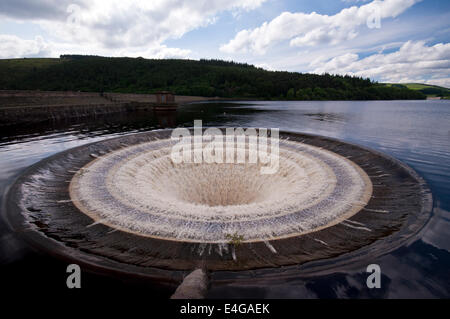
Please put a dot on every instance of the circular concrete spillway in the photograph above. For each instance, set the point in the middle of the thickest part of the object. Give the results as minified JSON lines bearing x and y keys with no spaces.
{"x":124,"y":204}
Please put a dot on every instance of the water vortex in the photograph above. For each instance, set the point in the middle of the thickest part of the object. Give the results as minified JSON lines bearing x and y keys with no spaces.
{"x":140,"y":190}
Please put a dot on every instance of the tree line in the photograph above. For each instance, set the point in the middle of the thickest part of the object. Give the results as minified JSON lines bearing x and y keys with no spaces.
{"x":189,"y":77}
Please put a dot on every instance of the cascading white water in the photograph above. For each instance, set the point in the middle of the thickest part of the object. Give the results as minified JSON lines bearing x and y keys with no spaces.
{"x":139,"y":189}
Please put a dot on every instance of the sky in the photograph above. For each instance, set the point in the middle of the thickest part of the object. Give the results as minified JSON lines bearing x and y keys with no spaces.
{"x":386,"y":40}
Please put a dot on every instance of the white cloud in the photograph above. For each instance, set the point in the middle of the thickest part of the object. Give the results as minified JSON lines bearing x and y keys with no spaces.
{"x":112,"y":25}
{"x":304,"y":29}
{"x":413,"y":62}
{"x":265,"y":66}
{"x":12,"y":46}
{"x":158,"y":52}
{"x":118,"y":23}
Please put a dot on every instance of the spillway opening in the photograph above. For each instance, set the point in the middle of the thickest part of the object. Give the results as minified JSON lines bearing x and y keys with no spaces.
{"x":220,"y":185}
{"x":140,"y":189}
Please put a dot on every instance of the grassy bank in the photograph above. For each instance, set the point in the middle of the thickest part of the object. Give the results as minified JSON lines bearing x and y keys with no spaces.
{"x":430,"y":91}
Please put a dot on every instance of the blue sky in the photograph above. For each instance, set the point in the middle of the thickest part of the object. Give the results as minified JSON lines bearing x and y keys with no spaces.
{"x":386,"y":40}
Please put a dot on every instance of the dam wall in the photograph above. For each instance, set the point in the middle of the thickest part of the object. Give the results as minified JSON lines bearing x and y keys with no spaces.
{"x":22,"y":107}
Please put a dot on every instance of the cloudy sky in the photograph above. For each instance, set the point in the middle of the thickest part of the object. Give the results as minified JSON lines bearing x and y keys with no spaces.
{"x":386,"y":40}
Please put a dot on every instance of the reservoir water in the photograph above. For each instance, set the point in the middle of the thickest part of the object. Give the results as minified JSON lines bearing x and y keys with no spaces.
{"x":415,"y":132}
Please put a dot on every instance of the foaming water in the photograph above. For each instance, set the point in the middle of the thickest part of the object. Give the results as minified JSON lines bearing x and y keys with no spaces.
{"x":123,"y":188}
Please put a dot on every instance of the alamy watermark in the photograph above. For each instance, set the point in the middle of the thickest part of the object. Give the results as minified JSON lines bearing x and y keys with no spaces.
{"x":74,"y":279}
{"x":74,"y":16}
{"x":374,"y":19}
{"x":237,"y":146}
{"x":374,"y":279}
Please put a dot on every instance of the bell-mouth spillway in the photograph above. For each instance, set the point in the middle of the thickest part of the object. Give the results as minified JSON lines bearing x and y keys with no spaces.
{"x":138,"y":189}
{"x":123,"y":204}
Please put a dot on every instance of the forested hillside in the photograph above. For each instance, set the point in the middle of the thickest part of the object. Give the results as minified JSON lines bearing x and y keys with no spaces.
{"x":187,"y":77}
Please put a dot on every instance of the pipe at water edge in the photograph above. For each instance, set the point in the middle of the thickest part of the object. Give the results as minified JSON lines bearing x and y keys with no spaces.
{"x":194,"y":286}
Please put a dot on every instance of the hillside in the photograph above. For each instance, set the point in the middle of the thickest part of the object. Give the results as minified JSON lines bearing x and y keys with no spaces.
{"x":428,"y":90}
{"x":187,"y":77}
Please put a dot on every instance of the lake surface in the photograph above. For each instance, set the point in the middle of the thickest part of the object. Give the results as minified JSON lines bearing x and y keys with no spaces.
{"x":415,"y":132}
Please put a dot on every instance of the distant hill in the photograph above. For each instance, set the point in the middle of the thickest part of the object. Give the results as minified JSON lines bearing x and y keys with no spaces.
{"x":188,"y":77}
{"x":428,"y":90}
